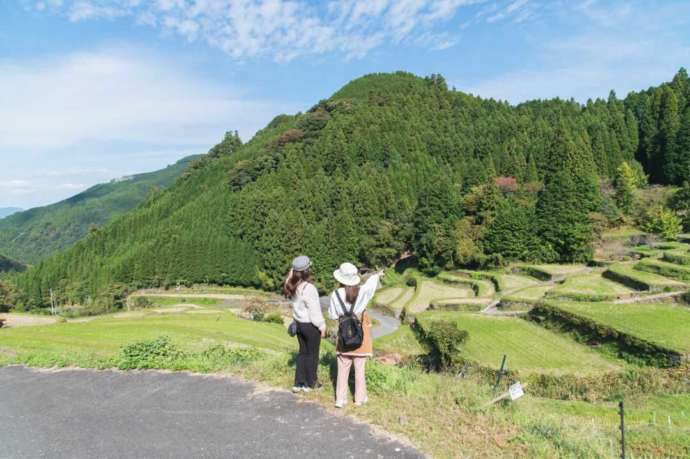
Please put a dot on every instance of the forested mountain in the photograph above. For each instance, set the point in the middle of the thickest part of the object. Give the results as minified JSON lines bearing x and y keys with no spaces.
{"x":5,"y":211}
{"x":36,"y":233}
{"x":391,"y":163}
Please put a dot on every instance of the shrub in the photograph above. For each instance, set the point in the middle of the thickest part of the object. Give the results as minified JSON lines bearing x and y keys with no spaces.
{"x":662,"y":221}
{"x":445,"y":339}
{"x":157,"y":353}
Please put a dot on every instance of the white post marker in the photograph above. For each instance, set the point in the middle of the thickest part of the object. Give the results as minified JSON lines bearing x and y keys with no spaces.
{"x":516,"y":391}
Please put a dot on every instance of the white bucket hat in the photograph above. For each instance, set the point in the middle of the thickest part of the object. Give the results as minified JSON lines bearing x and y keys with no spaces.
{"x":347,"y":274}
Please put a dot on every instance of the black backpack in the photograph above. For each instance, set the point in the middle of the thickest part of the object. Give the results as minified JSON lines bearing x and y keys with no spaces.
{"x":350,"y":331}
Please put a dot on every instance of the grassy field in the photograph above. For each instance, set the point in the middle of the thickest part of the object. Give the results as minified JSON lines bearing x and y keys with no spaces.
{"x":98,"y":341}
{"x":530,"y":348}
{"x":628,"y":275}
{"x":403,"y":341}
{"x":664,"y":324}
{"x":591,"y":287}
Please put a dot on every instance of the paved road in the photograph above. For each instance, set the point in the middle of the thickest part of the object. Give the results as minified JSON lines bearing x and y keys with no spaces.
{"x":107,"y":414}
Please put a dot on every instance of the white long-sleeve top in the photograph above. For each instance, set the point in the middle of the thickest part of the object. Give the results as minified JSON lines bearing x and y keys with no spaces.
{"x":306,"y":306}
{"x":366,"y":293}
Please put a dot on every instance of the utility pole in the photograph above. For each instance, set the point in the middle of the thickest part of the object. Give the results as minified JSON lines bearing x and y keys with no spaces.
{"x":622,"y":415}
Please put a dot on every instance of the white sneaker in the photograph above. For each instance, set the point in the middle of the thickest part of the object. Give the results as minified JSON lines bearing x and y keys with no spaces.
{"x":296,"y":389}
{"x":306,"y":389}
{"x":340,"y":404}
{"x":366,"y":399}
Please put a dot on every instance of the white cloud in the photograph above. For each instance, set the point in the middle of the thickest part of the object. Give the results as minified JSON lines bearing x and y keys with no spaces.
{"x":71,"y":121}
{"x":113,"y":96}
{"x":281,"y":29}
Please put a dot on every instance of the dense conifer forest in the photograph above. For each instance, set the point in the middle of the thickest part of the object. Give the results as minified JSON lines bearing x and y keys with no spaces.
{"x":36,"y":233}
{"x":392,"y":164}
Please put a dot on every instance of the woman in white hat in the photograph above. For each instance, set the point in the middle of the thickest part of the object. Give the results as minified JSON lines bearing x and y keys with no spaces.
{"x":311,"y":326}
{"x":354,"y":298}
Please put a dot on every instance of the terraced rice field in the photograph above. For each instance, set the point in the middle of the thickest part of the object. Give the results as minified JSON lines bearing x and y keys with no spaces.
{"x":627,"y":274}
{"x":592,"y":287}
{"x":511,"y":282}
{"x":678,"y":256}
{"x":428,"y":291}
{"x":664,"y":268}
{"x":399,"y":303}
{"x":552,"y":271}
{"x":664,"y":324}
{"x":387,"y":296}
{"x":482,"y":287}
{"x":530,"y":348}
{"x":529,"y":294}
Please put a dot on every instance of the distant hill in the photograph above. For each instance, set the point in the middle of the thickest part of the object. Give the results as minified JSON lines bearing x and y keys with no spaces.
{"x":5,"y":211}
{"x":36,"y":233}
{"x":7,"y":265}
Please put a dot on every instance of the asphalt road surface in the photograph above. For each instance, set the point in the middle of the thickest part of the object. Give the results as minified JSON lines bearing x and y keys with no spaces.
{"x":109,"y":414}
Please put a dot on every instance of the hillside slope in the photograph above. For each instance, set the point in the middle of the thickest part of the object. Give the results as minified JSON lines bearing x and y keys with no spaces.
{"x":36,"y":233}
{"x":380,"y":168}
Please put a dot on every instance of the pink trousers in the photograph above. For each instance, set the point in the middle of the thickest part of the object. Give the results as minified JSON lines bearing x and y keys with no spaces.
{"x":341,"y":388}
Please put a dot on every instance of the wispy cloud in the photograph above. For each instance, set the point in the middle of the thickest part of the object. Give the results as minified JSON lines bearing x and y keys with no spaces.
{"x":286,"y":29}
{"x":601,"y":55}
{"x":117,"y":96}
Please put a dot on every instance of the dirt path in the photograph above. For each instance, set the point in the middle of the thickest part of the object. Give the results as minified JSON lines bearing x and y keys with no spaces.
{"x":650,"y":298}
{"x":26,"y":320}
{"x":111,"y":414}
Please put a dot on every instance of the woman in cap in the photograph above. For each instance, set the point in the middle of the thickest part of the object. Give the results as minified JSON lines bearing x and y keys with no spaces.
{"x":353,"y":297}
{"x":311,"y":326}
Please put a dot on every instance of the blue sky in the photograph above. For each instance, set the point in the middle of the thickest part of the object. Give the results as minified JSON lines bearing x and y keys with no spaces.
{"x":92,"y":90}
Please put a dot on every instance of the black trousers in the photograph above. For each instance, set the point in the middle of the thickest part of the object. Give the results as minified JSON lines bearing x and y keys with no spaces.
{"x":309,"y":338}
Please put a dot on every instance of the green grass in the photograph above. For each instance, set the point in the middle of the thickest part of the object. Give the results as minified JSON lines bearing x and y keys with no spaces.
{"x":530,"y":348}
{"x":664,"y":268}
{"x":402,"y":341}
{"x":591,"y":287}
{"x":628,"y":275}
{"x":666,"y":325}
{"x":98,"y":341}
